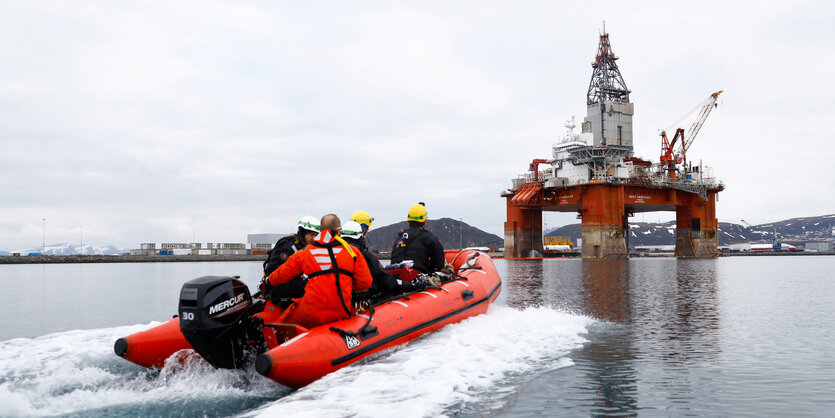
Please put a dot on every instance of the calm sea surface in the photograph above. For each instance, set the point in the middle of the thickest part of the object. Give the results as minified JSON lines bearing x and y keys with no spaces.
{"x":736,"y":336}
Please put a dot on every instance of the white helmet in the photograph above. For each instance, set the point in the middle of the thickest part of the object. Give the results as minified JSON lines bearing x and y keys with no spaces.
{"x":352,"y":229}
{"x":309,"y":223}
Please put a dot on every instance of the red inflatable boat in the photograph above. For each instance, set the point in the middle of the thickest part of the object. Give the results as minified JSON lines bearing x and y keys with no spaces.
{"x":221,"y":322}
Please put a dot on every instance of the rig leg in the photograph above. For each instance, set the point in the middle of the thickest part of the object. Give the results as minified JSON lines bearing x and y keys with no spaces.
{"x":604,"y":222}
{"x":696,"y":226}
{"x":522,"y":232}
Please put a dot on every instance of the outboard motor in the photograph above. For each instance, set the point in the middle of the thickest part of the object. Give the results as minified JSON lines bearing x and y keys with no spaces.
{"x":214,"y":318}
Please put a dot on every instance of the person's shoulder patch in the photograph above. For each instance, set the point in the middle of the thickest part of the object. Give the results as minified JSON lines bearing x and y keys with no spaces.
{"x":284,"y":256}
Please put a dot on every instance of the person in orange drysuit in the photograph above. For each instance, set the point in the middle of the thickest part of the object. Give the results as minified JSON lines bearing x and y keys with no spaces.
{"x":327,"y":295}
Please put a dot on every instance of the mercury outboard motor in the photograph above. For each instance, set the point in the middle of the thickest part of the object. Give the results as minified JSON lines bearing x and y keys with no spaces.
{"x":214,"y":318}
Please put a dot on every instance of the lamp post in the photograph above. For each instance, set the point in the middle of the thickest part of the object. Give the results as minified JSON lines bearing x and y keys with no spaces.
{"x":43,"y":243}
{"x":81,"y":238}
{"x":460,"y":233}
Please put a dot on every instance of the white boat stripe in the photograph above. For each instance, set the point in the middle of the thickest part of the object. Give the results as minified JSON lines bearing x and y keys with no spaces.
{"x":291,"y":341}
{"x":400,"y":303}
{"x":427,"y":293}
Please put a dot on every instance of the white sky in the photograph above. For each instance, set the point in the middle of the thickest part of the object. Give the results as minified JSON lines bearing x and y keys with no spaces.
{"x":156,"y":121}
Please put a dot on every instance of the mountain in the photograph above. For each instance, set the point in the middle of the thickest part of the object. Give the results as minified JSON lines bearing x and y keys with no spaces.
{"x":451,"y":232}
{"x":72,"y":249}
{"x":793,"y":230}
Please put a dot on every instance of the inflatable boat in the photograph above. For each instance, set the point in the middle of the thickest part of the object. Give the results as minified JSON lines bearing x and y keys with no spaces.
{"x":220,"y":321}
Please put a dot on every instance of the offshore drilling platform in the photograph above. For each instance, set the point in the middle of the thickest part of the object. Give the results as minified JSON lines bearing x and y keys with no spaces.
{"x":596,"y":174}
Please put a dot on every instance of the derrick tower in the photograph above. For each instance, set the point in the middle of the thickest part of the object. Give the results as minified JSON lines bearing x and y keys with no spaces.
{"x":595,"y":174}
{"x":606,"y":81}
{"x":609,"y":111}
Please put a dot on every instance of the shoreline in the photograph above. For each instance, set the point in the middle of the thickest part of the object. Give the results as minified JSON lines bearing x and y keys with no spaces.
{"x":70,"y":259}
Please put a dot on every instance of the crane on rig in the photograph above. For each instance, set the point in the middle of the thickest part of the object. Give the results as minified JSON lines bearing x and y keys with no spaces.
{"x":670,"y":157}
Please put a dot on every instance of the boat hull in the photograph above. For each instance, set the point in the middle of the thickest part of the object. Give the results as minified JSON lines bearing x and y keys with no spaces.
{"x":151,"y":347}
{"x":325,"y":349}
{"x":295,"y":356}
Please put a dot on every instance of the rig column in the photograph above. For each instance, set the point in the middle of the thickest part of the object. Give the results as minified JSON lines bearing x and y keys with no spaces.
{"x":522,"y":231}
{"x":696,"y":226}
{"x":604,"y":222}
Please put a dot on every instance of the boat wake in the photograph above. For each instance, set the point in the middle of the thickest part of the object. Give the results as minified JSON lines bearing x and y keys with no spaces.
{"x":77,"y":373}
{"x":471,"y":368}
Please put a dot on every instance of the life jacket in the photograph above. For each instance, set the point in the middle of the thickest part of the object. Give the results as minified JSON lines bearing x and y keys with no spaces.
{"x":421,"y":247}
{"x":333,"y":271}
{"x":331,"y":249}
{"x":407,"y":239}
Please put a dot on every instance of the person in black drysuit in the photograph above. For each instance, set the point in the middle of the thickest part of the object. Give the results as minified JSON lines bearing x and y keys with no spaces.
{"x":283,"y":249}
{"x":384,"y":283}
{"x":418,"y":244}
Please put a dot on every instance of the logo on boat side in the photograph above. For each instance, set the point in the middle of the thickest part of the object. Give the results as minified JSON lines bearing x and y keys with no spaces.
{"x":352,"y":342}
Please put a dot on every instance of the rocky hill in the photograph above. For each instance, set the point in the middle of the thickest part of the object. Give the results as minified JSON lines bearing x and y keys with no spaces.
{"x":789,"y":231}
{"x":451,"y":232}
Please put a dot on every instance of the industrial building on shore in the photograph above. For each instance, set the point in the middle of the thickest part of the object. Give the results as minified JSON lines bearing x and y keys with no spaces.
{"x":256,"y":244}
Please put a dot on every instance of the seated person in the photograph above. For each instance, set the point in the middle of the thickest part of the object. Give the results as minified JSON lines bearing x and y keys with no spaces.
{"x":383,"y":283}
{"x":365,"y":220}
{"x":333,"y":269}
{"x":308,"y":228}
{"x":419,"y":245}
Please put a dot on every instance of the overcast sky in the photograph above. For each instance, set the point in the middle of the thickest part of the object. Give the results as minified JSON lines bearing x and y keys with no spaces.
{"x":159,"y":121}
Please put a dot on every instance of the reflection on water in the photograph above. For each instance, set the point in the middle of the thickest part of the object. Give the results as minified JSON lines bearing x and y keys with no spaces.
{"x":523,"y":283}
{"x":607,"y":363}
{"x":661,"y":313}
{"x":606,"y":290}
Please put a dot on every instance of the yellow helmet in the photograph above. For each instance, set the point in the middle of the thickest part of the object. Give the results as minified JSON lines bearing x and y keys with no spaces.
{"x":417,"y":213}
{"x":363,"y":218}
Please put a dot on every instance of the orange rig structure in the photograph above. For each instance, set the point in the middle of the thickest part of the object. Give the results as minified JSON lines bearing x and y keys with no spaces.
{"x":596,"y":174}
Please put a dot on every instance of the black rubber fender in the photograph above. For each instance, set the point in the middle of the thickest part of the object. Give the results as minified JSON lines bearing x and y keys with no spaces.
{"x":263,"y":364}
{"x":121,"y":347}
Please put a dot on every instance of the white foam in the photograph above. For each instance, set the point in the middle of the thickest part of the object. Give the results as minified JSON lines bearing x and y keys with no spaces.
{"x":77,"y":371}
{"x":478,"y":361}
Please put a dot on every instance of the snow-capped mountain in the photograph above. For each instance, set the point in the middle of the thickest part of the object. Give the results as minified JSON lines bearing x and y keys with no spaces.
{"x":72,"y":249}
{"x":790,"y":230}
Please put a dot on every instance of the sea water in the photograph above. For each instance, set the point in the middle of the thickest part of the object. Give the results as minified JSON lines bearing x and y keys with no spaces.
{"x":655,"y":337}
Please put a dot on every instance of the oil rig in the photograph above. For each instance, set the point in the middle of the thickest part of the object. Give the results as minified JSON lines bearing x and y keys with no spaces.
{"x":595,"y":173}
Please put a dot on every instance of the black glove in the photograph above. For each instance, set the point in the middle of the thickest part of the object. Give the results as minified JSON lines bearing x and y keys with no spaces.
{"x":295,"y":287}
{"x":282,"y":294}
{"x":264,"y":287}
